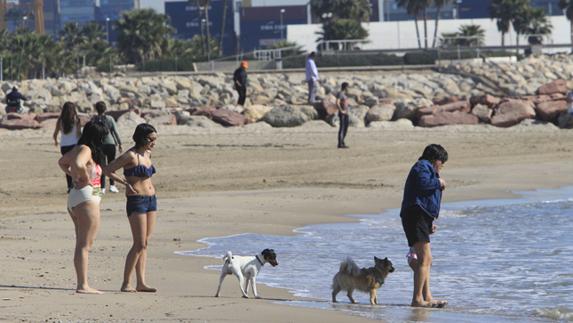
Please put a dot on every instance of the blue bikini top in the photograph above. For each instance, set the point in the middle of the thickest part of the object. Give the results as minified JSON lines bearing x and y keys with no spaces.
{"x":139,"y":170}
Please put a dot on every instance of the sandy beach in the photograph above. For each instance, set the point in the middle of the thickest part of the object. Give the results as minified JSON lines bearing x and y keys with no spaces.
{"x":229,"y":181}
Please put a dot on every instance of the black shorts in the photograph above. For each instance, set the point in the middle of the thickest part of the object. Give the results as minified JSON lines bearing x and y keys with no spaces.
{"x":417,"y":225}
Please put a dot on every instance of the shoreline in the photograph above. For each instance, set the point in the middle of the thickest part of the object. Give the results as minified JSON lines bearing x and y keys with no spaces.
{"x":516,"y":197}
{"x":206,"y":183}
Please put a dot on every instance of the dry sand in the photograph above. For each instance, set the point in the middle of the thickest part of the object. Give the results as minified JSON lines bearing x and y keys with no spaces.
{"x":227,"y":182}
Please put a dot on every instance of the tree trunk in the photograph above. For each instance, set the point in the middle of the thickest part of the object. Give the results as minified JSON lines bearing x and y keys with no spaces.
{"x":224,"y":21}
{"x":517,"y":44}
{"x":436,"y":27}
{"x":425,"y":30}
{"x":418,"y":32}
{"x":571,"y":32}
{"x":502,"y":39}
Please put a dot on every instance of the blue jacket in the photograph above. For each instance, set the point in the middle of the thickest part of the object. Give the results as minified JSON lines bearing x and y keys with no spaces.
{"x":422,"y":189}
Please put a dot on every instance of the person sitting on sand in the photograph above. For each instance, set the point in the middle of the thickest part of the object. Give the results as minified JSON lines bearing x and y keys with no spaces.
{"x":420,"y":207}
{"x":82,"y":164}
{"x":141,"y":201}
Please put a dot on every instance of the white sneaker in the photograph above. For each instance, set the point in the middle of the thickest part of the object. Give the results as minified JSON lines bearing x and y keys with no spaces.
{"x":113,"y":189}
{"x":103,"y":190}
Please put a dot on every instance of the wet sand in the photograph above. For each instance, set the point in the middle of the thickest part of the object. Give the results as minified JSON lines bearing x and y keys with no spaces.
{"x":227,"y":182}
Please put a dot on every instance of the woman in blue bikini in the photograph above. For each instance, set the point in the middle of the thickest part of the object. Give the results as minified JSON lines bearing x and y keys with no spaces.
{"x":141,"y":201}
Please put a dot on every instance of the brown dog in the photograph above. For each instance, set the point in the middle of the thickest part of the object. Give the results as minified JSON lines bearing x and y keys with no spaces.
{"x":351,"y":277}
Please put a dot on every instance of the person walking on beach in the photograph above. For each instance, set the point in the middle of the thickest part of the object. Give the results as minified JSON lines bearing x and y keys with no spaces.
{"x":70,"y":126}
{"x":82,"y":163}
{"x":240,"y":82}
{"x":343,"y":110}
{"x":311,"y":77}
{"x":141,"y":204}
{"x":109,"y":143}
{"x":420,"y":207}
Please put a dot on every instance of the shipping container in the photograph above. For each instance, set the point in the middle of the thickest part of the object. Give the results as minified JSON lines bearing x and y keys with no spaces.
{"x":189,"y":20}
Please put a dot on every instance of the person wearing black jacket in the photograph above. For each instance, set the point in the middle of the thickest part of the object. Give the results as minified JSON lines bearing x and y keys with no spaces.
{"x":14,"y":101}
{"x":240,"y":82}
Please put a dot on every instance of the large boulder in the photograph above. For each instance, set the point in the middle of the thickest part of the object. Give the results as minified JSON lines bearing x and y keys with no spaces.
{"x":400,"y":124}
{"x":462,"y":106}
{"x":255,"y":112}
{"x":228,"y":118}
{"x":201,"y":122}
{"x":130,"y":120}
{"x":488,"y":100}
{"x":327,"y":108}
{"x":381,"y":112}
{"x":483,"y":112}
{"x":512,"y":112}
{"x":358,"y":116}
{"x":15,"y":121}
{"x":550,"y":110}
{"x":557,"y":86}
{"x":445,"y":118}
{"x":285,"y":116}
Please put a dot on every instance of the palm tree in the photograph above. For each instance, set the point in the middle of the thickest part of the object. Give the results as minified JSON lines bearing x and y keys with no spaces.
{"x":137,"y":46}
{"x":439,"y":4}
{"x":344,"y":20}
{"x":471,"y":35}
{"x":503,"y":12}
{"x":414,"y":8}
{"x":567,"y":5}
{"x":521,"y":19}
{"x":539,"y":26}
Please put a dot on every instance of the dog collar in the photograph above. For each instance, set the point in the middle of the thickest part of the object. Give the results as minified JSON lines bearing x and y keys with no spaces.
{"x":262,"y":263}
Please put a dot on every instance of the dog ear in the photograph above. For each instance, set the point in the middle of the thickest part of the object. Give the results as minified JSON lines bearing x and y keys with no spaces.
{"x":386,"y":259}
{"x":376,"y":258}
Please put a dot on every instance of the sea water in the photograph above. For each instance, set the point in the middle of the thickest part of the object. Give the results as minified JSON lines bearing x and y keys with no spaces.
{"x":495,"y":260}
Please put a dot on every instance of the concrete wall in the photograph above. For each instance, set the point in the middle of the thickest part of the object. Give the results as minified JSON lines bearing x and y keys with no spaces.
{"x":402,"y":34}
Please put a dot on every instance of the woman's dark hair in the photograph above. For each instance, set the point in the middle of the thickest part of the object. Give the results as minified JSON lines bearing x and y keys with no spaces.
{"x":100,"y":107}
{"x":92,"y":136}
{"x":141,"y":133}
{"x":435,"y":152}
{"x":68,"y":117}
{"x":344,"y":86}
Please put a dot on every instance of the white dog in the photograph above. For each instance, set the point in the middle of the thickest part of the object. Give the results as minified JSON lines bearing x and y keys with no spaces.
{"x":246,"y":268}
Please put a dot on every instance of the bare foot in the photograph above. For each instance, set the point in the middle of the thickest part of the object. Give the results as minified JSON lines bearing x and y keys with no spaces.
{"x":439,"y":303}
{"x":88,"y":290}
{"x":431,"y":304}
{"x":127,"y":289}
{"x":146,"y":289}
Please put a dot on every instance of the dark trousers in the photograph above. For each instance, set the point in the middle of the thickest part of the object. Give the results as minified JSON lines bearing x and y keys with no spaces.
{"x":64,"y":150}
{"x":344,"y":120}
{"x":109,"y":152}
{"x":242,"y":90}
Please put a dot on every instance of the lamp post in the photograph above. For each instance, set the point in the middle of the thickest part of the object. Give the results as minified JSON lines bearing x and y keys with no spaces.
{"x":326,"y":17}
{"x":25,"y":22}
{"x":107,"y":28}
{"x":282,"y":27}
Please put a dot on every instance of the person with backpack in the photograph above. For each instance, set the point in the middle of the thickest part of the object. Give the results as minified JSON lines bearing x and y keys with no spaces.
{"x":110,"y":141}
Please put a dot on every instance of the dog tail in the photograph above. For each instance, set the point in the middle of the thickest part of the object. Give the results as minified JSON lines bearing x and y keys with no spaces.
{"x":348,"y":266}
{"x":228,"y":257}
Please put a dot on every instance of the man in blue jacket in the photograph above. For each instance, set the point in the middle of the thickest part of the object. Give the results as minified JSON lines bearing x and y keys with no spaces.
{"x":420,"y":207}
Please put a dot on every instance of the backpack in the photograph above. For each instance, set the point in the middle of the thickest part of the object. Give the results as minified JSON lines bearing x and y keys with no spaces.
{"x":103,"y":120}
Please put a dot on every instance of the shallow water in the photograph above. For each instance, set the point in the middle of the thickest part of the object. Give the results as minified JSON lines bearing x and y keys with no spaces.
{"x":495,"y":260}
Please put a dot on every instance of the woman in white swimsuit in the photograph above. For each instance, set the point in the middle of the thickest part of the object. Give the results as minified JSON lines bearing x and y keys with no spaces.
{"x":82,"y":163}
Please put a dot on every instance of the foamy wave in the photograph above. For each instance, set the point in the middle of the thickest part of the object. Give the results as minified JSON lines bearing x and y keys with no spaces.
{"x":559,"y":313}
